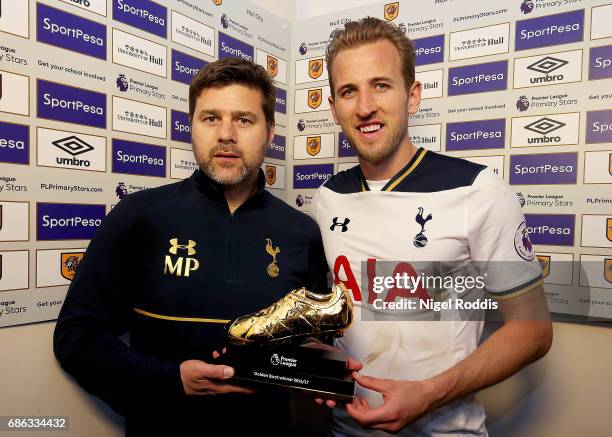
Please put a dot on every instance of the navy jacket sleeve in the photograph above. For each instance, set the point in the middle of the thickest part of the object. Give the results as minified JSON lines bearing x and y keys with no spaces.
{"x":96,"y":313}
{"x":317,"y":273}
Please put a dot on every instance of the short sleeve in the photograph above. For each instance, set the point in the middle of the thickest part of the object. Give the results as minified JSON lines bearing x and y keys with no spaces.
{"x":498,"y":239}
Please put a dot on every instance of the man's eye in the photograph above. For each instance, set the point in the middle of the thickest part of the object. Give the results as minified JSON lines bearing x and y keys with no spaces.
{"x":348,"y":93}
{"x":382,"y":86}
{"x":210,"y":119}
{"x":243,"y":120}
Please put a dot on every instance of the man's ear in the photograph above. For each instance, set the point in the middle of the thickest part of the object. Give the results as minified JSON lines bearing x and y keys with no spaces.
{"x":330,"y":99}
{"x":271,"y":129}
{"x":414,"y":97}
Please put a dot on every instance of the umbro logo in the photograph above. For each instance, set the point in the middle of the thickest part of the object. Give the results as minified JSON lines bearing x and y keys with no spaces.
{"x":544,"y":126}
{"x":343,"y":225}
{"x":547,"y":65}
{"x":73,"y":145}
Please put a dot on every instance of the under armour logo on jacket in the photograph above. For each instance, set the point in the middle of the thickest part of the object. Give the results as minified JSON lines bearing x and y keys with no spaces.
{"x":344,"y":224}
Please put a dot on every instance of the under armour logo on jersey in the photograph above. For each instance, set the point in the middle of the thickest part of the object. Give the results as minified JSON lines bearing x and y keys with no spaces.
{"x":174,"y":247}
{"x":420,"y":240}
{"x":344,"y":224}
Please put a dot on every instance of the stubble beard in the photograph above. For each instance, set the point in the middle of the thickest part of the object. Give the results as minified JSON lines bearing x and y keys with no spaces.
{"x":246,"y":170}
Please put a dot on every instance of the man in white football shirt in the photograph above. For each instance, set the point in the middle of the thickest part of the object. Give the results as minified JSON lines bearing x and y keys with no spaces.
{"x":409,"y":205}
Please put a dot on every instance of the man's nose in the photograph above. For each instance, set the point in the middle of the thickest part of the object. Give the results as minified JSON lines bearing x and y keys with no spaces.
{"x":227,"y":132}
{"x":366,"y":104}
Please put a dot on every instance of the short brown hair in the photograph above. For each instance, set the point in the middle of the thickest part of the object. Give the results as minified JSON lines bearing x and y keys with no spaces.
{"x":231,"y":71}
{"x":370,"y":30}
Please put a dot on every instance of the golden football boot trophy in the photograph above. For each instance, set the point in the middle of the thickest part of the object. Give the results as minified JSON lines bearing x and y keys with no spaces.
{"x":264,"y":346}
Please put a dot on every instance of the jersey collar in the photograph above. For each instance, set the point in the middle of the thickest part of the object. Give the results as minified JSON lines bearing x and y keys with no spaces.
{"x":400,"y":175}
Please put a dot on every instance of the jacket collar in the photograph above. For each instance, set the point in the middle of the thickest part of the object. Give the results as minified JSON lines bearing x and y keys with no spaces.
{"x":212,"y":191}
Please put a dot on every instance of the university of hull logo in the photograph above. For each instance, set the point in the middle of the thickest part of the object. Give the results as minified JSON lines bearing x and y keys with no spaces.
{"x":420,"y":240}
{"x":272,"y":68}
{"x":181,"y":266}
{"x":313,"y":145}
{"x":391,"y":11}
{"x":70,"y":261}
{"x":522,"y":104}
{"x":270,"y":174}
{"x":315,"y":98}
{"x":343,"y":224}
{"x":522,"y":244}
{"x":273,"y":270}
{"x":607,"y":269}
{"x":544,"y":261}
{"x":315,"y":68}
{"x":609,"y":229}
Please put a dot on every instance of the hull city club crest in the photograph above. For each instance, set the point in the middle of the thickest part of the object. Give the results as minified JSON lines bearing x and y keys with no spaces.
{"x":218,"y":2}
{"x":420,"y":240}
{"x":315,"y":97}
{"x":315,"y":68}
{"x":272,"y":66}
{"x":609,"y":229}
{"x":69,"y":263}
{"x":608,"y":269}
{"x":610,"y":164}
{"x":270,"y":174}
{"x":273,"y":270}
{"x":313,"y":145}
{"x":544,"y":261}
{"x":391,"y":11}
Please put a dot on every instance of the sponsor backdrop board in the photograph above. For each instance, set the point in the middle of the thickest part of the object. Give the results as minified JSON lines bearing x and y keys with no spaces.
{"x":94,"y":107}
{"x":94,"y":102}
{"x":521,"y":86}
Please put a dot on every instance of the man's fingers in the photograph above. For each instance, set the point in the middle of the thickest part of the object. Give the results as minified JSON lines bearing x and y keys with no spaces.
{"x":213,"y":371}
{"x":353,"y":365}
{"x":377,"y":384}
{"x":367,"y":416}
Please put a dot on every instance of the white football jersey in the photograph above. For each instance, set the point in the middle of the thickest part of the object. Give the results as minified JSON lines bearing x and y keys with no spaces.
{"x":436,"y":210}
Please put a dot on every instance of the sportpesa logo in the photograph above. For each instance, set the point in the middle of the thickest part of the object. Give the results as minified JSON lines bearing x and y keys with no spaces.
{"x":478,"y":78}
{"x":311,"y":176}
{"x":67,"y":221}
{"x":70,"y":104}
{"x":231,"y":47}
{"x":184,"y":66}
{"x":550,"y":30}
{"x":142,"y":14}
{"x":70,"y":32}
